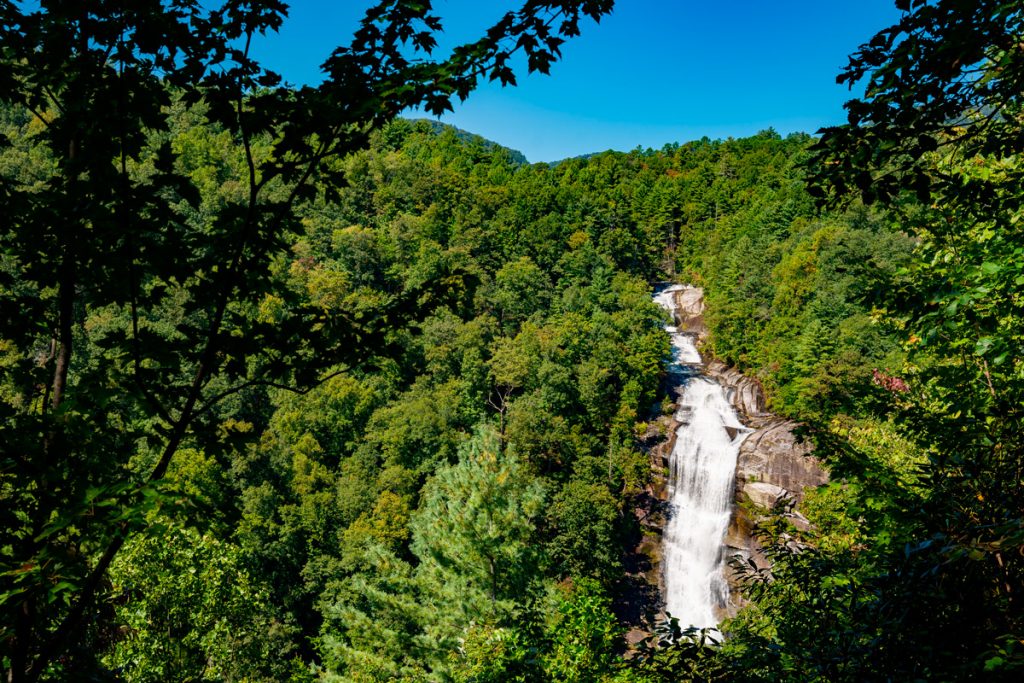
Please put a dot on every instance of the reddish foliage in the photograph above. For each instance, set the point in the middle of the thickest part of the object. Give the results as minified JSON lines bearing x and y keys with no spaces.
{"x":894,"y":385}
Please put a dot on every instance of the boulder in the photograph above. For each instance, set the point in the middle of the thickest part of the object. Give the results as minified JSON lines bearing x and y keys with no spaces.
{"x":763,"y":494}
{"x":689,"y":313}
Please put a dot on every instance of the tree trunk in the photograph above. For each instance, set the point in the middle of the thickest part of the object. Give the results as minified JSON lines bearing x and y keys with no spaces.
{"x":65,"y":321}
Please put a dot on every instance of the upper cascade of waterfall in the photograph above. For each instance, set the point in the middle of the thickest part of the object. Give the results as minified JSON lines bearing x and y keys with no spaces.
{"x":684,"y":351}
{"x":701,"y":481}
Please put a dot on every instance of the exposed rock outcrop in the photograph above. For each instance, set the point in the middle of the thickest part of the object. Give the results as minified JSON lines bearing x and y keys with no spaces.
{"x":745,"y":393}
{"x":690,"y":312}
{"x":774,"y":456}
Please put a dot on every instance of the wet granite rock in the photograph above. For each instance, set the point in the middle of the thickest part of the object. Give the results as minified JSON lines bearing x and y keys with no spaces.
{"x":745,"y":393}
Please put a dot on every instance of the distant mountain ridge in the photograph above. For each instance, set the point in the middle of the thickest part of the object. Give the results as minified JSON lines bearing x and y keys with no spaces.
{"x":438,"y":127}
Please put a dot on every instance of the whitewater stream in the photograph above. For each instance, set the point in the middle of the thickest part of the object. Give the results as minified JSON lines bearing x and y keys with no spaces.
{"x":702,"y":469}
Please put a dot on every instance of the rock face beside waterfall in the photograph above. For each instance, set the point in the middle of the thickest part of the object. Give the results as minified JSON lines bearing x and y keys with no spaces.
{"x":690,"y":312}
{"x":745,"y":392}
{"x":773,"y":458}
{"x":773,"y":463}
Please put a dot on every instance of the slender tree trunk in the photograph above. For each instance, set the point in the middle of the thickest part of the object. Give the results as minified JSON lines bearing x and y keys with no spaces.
{"x":65,"y":321}
{"x":65,"y":302}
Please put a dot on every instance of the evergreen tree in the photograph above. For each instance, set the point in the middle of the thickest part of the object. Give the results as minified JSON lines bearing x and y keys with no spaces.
{"x":475,"y":537}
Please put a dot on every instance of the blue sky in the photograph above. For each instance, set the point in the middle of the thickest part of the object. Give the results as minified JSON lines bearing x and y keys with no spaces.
{"x":653,"y":72}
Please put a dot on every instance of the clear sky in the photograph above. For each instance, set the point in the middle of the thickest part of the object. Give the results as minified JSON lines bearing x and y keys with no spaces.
{"x":653,"y":72}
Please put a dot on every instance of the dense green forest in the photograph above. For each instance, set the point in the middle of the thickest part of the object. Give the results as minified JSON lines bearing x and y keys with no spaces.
{"x":366,"y":398}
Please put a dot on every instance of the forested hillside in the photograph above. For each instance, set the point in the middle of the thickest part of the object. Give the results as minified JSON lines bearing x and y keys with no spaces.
{"x":461,"y":502}
{"x":366,"y":399}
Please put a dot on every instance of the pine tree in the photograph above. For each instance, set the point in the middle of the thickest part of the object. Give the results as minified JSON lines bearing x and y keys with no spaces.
{"x":474,"y":536}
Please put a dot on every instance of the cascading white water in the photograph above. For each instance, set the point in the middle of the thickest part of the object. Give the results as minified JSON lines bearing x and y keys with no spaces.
{"x":701,"y":472}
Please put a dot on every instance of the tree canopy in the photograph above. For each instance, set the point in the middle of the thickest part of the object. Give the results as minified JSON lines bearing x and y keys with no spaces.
{"x":293,"y":388}
{"x":118,"y":222}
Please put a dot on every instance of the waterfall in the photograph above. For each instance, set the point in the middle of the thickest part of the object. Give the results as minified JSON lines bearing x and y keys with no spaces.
{"x":702,"y":469}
